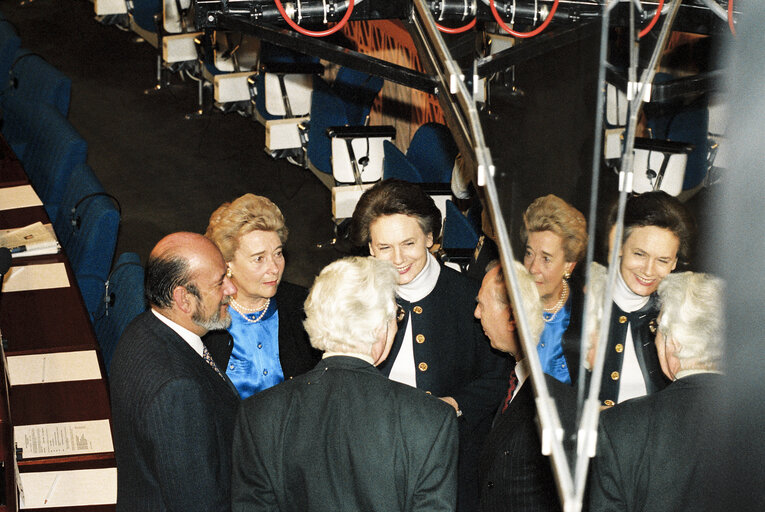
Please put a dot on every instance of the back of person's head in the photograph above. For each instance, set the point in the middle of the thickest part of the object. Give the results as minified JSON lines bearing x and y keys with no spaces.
{"x":529,"y":293}
{"x":247,"y":213}
{"x":593,"y":311}
{"x":661,"y":210}
{"x":350,"y":301}
{"x":692,"y":306}
{"x":551,"y":213}
{"x":392,"y":197}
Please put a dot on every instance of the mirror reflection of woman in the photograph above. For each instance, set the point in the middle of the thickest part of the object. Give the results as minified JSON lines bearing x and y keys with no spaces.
{"x":270,"y":344}
{"x":554,"y":234}
{"x":658,"y":232}
{"x":439,"y":348}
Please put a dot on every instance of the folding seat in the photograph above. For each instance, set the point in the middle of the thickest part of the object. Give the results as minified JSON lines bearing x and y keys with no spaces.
{"x":122,"y":299}
{"x":167,"y":25}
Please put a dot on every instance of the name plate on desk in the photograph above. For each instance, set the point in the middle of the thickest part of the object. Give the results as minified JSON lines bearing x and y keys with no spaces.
{"x":76,"y":488}
{"x":18,"y":197}
{"x":63,"y":439}
{"x":56,"y":367}
{"x":26,"y":278}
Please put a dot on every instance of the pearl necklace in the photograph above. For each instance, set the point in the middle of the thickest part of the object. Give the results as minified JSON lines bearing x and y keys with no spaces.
{"x":238,"y":308}
{"x":553,"y":311}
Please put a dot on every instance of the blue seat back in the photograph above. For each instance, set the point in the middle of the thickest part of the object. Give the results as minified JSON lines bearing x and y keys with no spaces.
{"x":53,"y":148}
{"x":122,"y":300}
{"x":358,"y":91}
{"x":143,"y":12}
{"x":396,"y":165}
{"x":36,"y":81}
{"x":9,"y":45}
{"x":82,"y":183}
{"x":432,"y":151}
{"x":326,"y":110}
{"x":346,"y":102}
{"x":459,"y":232}
{"x":91,"y":244}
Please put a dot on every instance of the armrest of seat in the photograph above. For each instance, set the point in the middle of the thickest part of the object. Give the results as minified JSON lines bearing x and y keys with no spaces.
{"x":357,"y":152}
{"x":179,"y":47}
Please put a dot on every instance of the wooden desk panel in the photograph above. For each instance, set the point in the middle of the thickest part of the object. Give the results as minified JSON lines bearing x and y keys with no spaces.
{"x":20,"y":217}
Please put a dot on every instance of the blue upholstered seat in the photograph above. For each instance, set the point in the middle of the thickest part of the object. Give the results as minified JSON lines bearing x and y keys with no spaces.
{"x":53,"y":148}
{"x":34,"y":80}
{"x":459,"y":232}
{"x":122,"y":300}
{"x":87,"y":227}
{"x":346,"y":102}
{"x":429,"y":158}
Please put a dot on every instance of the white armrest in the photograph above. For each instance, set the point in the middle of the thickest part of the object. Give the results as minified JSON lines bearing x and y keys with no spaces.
{"x":179,"y":47}
{"x":283,"y":133}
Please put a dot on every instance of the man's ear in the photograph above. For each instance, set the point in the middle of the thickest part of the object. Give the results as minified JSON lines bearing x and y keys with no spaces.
{"x":183,"y":299}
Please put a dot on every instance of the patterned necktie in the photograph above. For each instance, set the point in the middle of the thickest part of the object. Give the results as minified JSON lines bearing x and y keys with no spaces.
{"x":207,"y":357}
{"x":510,"y":390}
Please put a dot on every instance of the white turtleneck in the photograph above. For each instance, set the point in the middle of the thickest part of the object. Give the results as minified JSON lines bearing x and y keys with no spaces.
{"x":631,"y":384}
{"x":403,"y":369}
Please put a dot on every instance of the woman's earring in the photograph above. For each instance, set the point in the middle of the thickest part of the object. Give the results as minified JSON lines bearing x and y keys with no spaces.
{"x":229,"y":274}
{"x":566,"y":275}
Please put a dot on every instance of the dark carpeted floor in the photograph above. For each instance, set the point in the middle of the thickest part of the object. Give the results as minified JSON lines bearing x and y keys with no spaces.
{"x":168,"y":173}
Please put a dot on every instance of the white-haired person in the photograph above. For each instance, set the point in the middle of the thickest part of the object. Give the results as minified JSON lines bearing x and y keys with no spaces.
{"x":514,"y":475}
{"x":343,"y":436}
{"x":657,"y":452}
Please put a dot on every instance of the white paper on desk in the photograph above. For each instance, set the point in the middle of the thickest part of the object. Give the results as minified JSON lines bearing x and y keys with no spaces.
{"x":55,"y":367}
{"x":59,"y":439}
{"x":37,"y":239}
{"x":35,"y":277}
{"x":75,"y":488}
{"x":18,"y":197}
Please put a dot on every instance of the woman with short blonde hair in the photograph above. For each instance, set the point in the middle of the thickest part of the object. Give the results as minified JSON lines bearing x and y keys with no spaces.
{"x":270,"y":344}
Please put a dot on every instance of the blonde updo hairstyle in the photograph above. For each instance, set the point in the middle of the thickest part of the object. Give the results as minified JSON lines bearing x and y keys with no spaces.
{"x":551,"y":213}
{"x":245,"y":214}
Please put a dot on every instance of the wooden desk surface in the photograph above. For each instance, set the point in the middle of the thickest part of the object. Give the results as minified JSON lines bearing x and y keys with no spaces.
{"x":41,"y":321}
{"x":46,"y":320}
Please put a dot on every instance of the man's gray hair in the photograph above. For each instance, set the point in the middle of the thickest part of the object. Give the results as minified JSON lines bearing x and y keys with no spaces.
{"x":350,"y":302}
{"x":692,"y":306}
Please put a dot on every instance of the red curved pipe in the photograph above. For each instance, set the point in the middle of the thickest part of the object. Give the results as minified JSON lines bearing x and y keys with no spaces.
{"x":730,"y":18}
{"x":315,"y":33}
{"x":458,"y":30}
{"x":522,"y":35}
{"x":653,"y":20}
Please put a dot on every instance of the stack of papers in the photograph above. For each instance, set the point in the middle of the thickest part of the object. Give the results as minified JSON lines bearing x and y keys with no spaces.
{"x":32,"y":240}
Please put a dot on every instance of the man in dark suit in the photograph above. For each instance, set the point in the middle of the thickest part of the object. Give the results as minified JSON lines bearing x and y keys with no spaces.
{"x":513,"y":473}
{"x":656,"y":453}
{"x":173,"y":410}
{"x":343,"y":437}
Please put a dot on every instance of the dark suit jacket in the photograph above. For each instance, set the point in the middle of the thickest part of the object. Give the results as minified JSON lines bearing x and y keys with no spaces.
{"x":296,"y":354}
{"x":172,"y":418}
{"x":453,"y":356}
{"x":655,"y":452}
{"x":344,"y":438}
{"x":514,"y":475}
